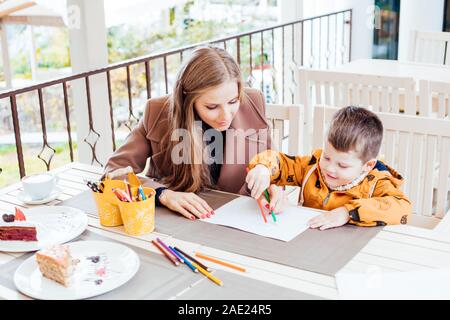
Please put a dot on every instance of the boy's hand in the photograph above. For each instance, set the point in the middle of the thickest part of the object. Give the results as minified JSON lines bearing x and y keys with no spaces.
{"x":331,"y":219}
{"x":278,"y":199}
{"x":258,"y":180}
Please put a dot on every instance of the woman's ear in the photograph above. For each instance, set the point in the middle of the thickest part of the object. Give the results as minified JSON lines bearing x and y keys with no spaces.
{"x":369,"y":165}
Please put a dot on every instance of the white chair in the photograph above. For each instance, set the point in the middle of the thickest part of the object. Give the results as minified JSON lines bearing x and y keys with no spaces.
{"x":409,"y":145}
{"x":382,"y":93}
{"x":430,"y":47}
{"x":435,"y":99}
{"x":277,"y":114}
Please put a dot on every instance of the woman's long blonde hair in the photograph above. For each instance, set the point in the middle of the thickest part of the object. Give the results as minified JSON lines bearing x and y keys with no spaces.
{"x":206,"y":68}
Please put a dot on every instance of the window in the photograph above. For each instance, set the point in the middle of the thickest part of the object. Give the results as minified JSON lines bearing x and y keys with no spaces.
{"x":446,"y":26}
{"x":385,"y":36}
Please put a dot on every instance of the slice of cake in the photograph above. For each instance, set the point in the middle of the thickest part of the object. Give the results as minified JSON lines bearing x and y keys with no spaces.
{"x":16,"y":227}
{"x":55,"y":263}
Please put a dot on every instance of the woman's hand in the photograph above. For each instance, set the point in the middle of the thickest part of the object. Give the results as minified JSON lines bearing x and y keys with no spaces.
{"x":278,"y":199}
{"x":258,"y":180}
{"x":331,"y":219}
{"x":188,"y":204}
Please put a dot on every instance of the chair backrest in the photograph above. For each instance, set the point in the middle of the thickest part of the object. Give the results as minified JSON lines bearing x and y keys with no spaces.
{"x":430,"y":47}
{"x":382,"y":93}
{"x":278,"y":115}
{"x":435,"y":99}
{"x":417,"y":147}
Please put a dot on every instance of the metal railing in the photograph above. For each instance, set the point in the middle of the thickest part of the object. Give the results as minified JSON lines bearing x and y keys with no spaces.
{"x":319,"y":42}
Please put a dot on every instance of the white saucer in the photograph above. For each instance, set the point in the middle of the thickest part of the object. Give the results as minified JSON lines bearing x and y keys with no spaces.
{"x":25,"y":198}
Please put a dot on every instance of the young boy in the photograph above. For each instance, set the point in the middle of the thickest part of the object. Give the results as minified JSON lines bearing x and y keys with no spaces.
{"x":344,"y":178}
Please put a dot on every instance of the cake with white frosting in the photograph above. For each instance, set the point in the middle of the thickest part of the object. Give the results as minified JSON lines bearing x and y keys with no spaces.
{"x":56,"y":263}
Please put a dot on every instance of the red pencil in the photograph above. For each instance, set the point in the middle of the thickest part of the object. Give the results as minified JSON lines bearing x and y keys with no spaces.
{"x":118,"y":195}
{"x":260,"y":204}
{"x":168,"y":256}
{"x":262,"y":210}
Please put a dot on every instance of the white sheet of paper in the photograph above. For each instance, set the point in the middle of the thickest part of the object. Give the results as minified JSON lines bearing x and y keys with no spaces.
{"x":375,"y":284}
{"x":243,"y":213}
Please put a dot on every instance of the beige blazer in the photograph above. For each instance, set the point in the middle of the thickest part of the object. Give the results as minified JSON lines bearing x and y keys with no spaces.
{"x":144,"y":142}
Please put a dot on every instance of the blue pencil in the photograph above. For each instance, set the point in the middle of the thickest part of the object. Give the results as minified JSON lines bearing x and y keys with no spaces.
{"x":186,"y":261}
{"x":176,"y":253}
{"x":141,"y":191}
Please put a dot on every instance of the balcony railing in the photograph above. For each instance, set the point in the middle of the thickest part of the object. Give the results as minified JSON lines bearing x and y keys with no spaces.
{"x":268,"y":58}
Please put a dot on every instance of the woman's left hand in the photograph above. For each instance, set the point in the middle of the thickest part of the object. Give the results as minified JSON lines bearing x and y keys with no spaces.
{"x":331,"y":219}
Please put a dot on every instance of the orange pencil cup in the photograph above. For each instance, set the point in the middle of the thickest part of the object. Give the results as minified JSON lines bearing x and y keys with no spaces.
{"x":108,"y":204}
{"x":139,"y":216}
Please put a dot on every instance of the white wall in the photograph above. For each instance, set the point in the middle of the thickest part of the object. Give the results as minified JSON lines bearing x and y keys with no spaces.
{"x":422,"y":15}
{"x":290,"y":10}
{"x":362,"y":35}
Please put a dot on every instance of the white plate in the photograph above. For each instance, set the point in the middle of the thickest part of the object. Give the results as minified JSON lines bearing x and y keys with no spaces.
{"x":25,"y":198}
{"x":54,"y":225}
{"x":117,"y":265}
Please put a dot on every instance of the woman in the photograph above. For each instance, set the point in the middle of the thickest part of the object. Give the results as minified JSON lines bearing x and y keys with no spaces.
{"x":208,"y":97}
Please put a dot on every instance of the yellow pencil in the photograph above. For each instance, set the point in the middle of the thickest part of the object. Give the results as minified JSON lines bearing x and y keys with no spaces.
{"x":207,"y":274}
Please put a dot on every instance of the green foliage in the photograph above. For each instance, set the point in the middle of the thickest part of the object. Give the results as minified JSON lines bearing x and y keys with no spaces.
{"x":124,"y":42}
{"x":20,"y":64}
{"x":54,"y":52}
{"x":7,"y":148}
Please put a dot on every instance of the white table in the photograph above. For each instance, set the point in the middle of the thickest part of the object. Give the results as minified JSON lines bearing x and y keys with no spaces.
{"x":418,"y":71}
{"x":398,"y":248}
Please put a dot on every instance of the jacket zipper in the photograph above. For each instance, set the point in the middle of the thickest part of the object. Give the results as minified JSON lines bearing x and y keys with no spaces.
{"x":325,"y":201}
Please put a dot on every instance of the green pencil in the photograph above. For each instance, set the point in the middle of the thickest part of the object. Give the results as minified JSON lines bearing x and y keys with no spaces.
{"x":266,"y":193}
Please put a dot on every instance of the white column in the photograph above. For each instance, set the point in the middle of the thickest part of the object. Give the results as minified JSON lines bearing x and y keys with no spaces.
{"x":362,"y":29}
{"x":5,"y":56}
{"x":289,"y":10}
{"x":88,"y":51}
{"x":421,"y":15}
{"x":33,"y":63}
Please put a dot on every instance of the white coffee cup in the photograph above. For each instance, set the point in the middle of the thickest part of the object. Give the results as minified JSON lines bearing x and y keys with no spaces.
{"x":39,"y":186}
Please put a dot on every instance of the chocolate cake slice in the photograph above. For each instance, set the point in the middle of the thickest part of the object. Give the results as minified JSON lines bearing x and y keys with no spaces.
{"x":15,"y":227}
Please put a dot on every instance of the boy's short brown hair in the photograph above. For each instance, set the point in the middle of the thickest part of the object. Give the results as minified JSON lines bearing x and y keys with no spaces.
{"x":358,"y":129}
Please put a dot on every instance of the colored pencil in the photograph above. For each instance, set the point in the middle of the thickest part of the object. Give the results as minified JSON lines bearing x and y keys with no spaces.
{"x":129,"y":191}
{"x":165,"y":246}
{"x":119,"y":195}
{"x":142,"y":193}
{"x":262,"y":210}
{"x":193,"y":259}
{"x":168,"y":256}
{"x":226,"y":264}
{"x":266,"y":193}
{"x":186,"y":261}
{"x":259,"y":204}
{"x":122,"y":195}
{"x":208,"y":275}
{"x":176,"y":253}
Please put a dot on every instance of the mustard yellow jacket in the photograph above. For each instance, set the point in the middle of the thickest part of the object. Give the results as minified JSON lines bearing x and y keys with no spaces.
{"x":376,"y":201}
